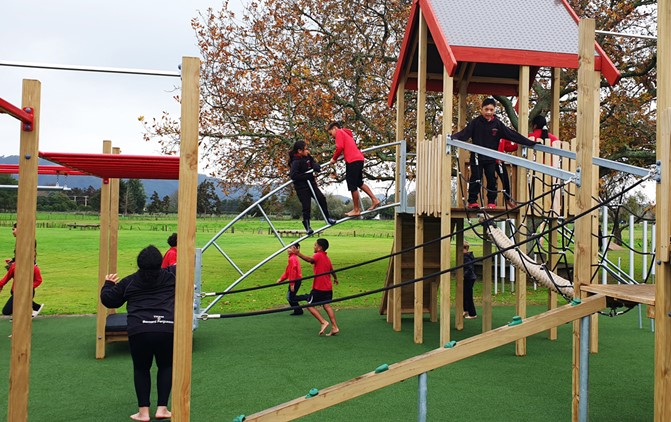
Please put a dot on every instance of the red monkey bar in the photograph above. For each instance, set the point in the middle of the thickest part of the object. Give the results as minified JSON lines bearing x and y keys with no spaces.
{"x":24,"y":115}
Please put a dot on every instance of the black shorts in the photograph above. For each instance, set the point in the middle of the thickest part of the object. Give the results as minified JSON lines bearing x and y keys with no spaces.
{"x":354,"y":175}
{"x":317,"y":296}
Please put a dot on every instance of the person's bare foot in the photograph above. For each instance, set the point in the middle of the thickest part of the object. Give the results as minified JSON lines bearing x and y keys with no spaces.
{"x":375,"y":205}
{"x":140,"y":417}
{"x":162,"y":412}
{"x":353,"y":213}
{"x":324,"y":327}
{"x":332,"y":333}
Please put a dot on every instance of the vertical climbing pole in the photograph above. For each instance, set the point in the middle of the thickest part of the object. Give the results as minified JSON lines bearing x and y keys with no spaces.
{"x":583,"y":226}
{"x":103,"y":256}
{"x":663,"y":286}
{"x":394,"y":310}
{"x":186,"y":240}
{"x":419,"y":219}
{"x":445,"y":209}
{"x":522,"y":196}
{"x":553,"y":236}
{"x":19,"y":371}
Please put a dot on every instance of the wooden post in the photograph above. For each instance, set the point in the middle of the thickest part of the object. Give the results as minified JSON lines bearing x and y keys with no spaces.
{"x":394,"y":304}
{"x":553,"y":237}
{"x":446,"y":210}
{"x":114,"y":221}
{"x":596,"y":152}
{"x":186,"y":240}
{"x":459,"y":294}
{"x":584,"y":145}
{"x":487,"y":281}
{"x":419,"y":219}
{"x":103,"y":255}
{"x":663,"y":286}
{"x":520,"y":275}
{"x":22,"y":325}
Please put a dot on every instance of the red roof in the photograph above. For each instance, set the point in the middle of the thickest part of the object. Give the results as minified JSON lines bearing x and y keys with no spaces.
{"x":467,"y":38}
{"x":118,"y":166}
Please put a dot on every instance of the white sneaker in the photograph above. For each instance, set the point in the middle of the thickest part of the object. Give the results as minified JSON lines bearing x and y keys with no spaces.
{"x":37,"y":312}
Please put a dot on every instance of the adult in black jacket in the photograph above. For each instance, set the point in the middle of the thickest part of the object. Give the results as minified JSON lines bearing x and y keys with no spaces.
{"x":150,"y":297}
{"x":300,"y":163}
{"x":486,"y":131}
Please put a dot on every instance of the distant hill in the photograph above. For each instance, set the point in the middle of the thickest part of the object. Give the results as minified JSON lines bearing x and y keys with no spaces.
{"x":162,"y":187}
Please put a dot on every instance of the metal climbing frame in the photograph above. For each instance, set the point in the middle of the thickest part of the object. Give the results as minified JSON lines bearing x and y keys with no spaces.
{"x":258,"y":205}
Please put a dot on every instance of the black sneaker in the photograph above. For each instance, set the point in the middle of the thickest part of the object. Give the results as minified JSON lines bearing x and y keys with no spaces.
{"x":331,"y":221}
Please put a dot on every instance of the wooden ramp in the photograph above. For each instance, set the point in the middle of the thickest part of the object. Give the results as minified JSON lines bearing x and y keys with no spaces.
{"x":437,"y":358}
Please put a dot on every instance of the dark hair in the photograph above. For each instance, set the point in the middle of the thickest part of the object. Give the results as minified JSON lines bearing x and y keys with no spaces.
{"x":334,"y":124}
{"x":323,"y":243}
{"x":14,"y":225}
{"x":539,"y":122}
{"x":294,"y":150}
{"x":172,"y":240}
{"x":297,"y":245}
{"x":488,"y":101}
{"x":149,"y":258}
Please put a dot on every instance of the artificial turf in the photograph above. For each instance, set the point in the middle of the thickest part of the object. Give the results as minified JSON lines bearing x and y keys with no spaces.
{"x":245,"y":365}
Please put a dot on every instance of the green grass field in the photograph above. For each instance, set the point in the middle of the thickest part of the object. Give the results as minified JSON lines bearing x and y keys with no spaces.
{"x":244,"y":365}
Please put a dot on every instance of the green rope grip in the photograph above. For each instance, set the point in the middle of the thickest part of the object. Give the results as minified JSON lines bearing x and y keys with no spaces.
{"x":313,"y":392}
{"x":450,"y":344}
{"x":381,"y":368}
{"x":517,"y":320}
{"x":240,"y":418}
{"x":575,"y":301}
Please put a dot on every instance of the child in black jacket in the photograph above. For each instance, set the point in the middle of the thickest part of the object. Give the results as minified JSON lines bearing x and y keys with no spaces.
{"x":300,"y":163}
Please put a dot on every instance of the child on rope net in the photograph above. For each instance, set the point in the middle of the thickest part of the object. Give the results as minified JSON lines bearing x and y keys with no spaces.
{"x":354,"y":160}
{"x":486,"y":131}
{"x":300,"y":162}
{"x":469,"y":281}
{"x":322,"y":288}
{"x":293,"y":273}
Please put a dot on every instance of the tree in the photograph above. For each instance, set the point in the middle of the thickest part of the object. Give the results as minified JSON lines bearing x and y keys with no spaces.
{"x":208,"y":201}
{"x":155,"y":204}
{"x":132,"y":198}
{"x":281,"y":73}
{"x":287,"y":67}
{"x":8,"y":197}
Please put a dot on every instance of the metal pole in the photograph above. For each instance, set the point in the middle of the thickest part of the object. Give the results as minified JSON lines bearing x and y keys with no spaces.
{"x":421,"y":397}
{"x":604,"y":242}
{"x":583,"y":406}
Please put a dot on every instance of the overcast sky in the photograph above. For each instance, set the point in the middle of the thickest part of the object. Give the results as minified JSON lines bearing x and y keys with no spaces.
{"x":80,"y":109}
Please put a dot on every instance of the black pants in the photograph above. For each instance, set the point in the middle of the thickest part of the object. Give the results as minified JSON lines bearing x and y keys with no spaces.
{"x":475,"y":182}
{"x":502,"y":172}
{"x":143,"y":348}
{"x":305,"y":196}
{"x":469,"y":305}
{"x":8,"y":309}
{"x":293,"y":297}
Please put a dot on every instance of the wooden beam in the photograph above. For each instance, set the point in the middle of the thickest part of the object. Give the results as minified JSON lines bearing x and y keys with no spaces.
{"x":394,"y":308}
{"x":103,"y":256}
{"x":445,"y":210}
{"x":522,"y":196}
{"x":186,"y":240}
{"x":429,"y":361}
{"x":22,"y":324}
{"x":584,"y":145}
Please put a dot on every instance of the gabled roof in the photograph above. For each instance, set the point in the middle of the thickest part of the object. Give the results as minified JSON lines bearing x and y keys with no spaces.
{"x":486,"y":42}
{"x":117,"y":166}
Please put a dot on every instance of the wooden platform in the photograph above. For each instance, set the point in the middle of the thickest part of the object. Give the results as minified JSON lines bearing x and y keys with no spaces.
{"x":639,"y":293}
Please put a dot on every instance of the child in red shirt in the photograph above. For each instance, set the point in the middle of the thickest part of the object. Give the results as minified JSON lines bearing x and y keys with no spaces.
{"x":322,"y":288}
{"x":293,"y":273}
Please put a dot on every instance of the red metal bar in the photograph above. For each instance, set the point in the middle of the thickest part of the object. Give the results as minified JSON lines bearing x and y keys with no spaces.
{"x":51,"y":170}
{"x":24,"y":115}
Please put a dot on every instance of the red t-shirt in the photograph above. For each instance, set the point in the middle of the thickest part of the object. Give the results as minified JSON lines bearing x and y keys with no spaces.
{"x":37,"y":276}
{"x":345,"y":145}
{"x":170,"y":257}
{"x":293,"y":270}
{"x":322,"y":264}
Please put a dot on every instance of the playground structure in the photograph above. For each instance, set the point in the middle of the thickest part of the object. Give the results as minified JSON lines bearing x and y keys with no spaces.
{"x":418,"y":366}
